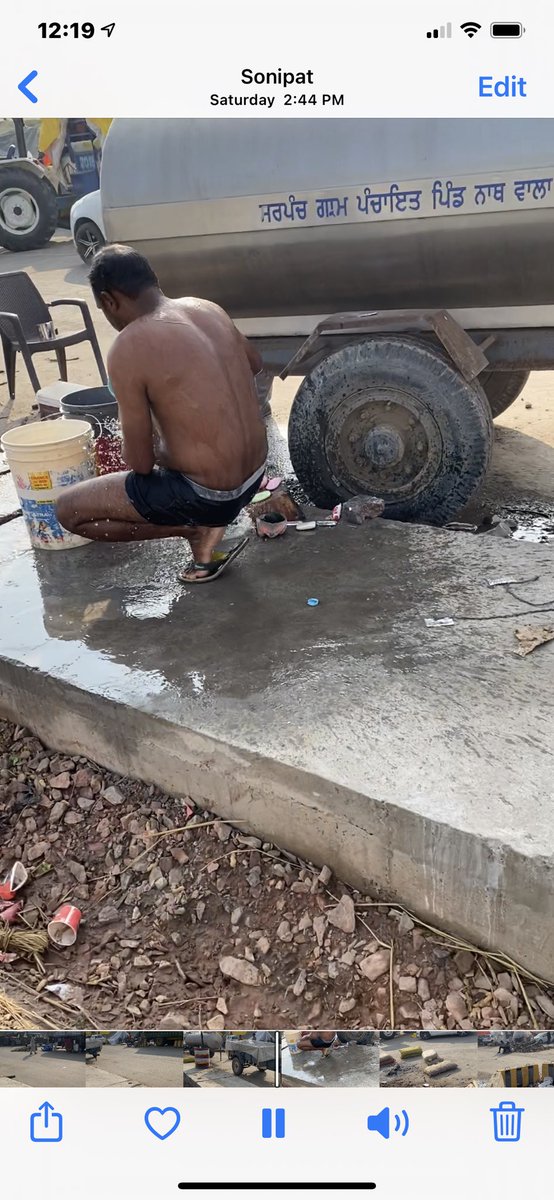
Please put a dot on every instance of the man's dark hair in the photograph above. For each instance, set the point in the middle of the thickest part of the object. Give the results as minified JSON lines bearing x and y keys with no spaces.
{"x":121,"y":269}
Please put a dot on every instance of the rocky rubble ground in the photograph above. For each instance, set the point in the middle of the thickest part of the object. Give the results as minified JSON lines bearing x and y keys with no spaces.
{"x":189,"y":921}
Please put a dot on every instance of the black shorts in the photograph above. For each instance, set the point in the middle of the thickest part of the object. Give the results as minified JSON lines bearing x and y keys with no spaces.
{"x":168,"y":498}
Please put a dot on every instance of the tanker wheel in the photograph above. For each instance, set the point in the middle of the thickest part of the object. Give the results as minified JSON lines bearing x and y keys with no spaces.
{"x":391,"y":417}
{"x":502,"y":387}
{"x":237,"y":1065}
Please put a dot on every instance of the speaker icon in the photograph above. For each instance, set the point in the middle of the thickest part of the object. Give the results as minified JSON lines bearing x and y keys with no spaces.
{"x":381,"y":1122}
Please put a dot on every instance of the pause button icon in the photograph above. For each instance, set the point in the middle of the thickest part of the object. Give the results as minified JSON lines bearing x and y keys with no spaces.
{"x":267,"y":1123}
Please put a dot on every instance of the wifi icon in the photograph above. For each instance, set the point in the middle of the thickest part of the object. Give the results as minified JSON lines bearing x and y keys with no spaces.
{"x":381,"y":1122}
{"x":471,"y":28}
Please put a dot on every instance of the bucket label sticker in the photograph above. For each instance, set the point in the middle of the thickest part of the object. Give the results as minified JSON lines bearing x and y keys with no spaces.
{"x":73,"y":475}
{"x":41,"y":481}
{"x":42,"y":521}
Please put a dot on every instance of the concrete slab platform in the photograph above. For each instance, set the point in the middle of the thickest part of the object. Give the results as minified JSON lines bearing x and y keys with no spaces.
{"x":215,"y":1077}
{"x":417,"y":762}
{"x":346,"y":1066}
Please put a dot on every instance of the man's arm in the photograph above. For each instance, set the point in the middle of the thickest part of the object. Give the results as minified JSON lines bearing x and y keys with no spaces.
{"x":134,"y":410}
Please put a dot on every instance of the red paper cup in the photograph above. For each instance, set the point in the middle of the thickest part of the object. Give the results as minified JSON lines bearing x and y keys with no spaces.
{"x":63,"y":927}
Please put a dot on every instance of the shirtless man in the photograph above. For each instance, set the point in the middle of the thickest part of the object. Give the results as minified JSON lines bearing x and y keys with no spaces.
{"x":193,"y":437}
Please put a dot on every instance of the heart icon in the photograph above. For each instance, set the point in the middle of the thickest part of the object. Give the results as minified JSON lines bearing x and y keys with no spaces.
{"x":162,"y":1122}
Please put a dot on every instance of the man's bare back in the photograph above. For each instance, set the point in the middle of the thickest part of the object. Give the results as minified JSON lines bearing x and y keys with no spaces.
{"x":196,"y":371}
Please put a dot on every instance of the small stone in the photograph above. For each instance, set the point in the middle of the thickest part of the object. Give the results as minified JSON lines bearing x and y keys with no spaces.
{"x":284,"y":932}
{"x":179,"y":855}
{"x":305,"y":923}
{"x":418,"y":939}
{"x":263,"y":944}
{"x":343,"y":917}
{"x":82,"y":778}
{"x":61,"y":782}
{"x":223,"y":831}
{"x":325,"y":876}
{"x":108,"y":913}
{"x":504,"y":997}
{"x":154,"y":875}
{"x":216,"y":1022}
{"x":200,"y":910}
{"x":142,"y":961}
{"x":319,"y":927}
{"x":464,"y":961}
{"x":505,"y":981}
{"x":247,"y":840}
{"x":346,"y":1006}
{"x":77,"y":870}
{"x":58,"y":811}
{"x":456,"y":1006}
{"x":299,"y":985}
{"x":85,"y":803}
{"x":239,"y":969}
{"x":546,"y":1005}
{"x":348,"y":958}
{"x":236,"y":916}
{"x":408,"y":1012}
{"x":375,"y":965}
{"x":407,"y":983}
{"x":423,"y":989}
{"x":332,"y":970}
{"x":73,"y":818}
{"x":253,"y":877}
{"x":405,"y":924}
{"x":173,"y":1020}
{"x":221,"y":1005}
{"x":481,"y":982}
{"x":299,"y":887}
{"x":112,"y":795}
{"x":212,"y":866}
{"x":37,"y":851}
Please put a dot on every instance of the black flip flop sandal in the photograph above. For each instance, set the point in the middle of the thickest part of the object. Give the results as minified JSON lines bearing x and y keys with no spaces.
{"x":214,"y":568}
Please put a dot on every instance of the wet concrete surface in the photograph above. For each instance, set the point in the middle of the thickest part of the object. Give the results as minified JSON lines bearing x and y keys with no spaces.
{"x":414,"y":760}
{"x":345,"y":1066}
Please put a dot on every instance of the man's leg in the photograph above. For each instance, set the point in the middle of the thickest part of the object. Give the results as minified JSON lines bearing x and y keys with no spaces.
{"x":100,"y":509}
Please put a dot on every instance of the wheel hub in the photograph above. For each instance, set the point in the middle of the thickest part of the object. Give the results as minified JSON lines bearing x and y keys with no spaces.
{"x":383,"y":440}
{"x":18,"y":211}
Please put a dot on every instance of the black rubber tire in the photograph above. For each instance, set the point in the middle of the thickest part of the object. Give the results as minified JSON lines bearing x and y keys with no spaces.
{"x":237,"y":1066}
{"x":337,"y":410}
{"x":424,"y":1035}
{"x":44,"y":196}
{"x":502,"y":387}
{"x":88,"y":239}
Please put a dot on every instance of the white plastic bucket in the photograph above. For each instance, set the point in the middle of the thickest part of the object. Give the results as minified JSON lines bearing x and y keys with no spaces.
{"x":44,"y":458}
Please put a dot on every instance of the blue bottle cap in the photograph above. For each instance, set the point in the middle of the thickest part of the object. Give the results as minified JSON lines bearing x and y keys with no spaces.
{"x":312,"y":602}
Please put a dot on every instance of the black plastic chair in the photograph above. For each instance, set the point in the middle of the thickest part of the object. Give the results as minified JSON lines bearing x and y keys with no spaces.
{"x":22,"y":311}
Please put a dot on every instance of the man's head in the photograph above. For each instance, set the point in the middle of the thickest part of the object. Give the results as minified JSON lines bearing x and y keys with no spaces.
{"x":123,"y":283}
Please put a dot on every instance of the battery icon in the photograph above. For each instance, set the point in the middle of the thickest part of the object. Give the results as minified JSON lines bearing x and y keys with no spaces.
{"x":507,"y":29}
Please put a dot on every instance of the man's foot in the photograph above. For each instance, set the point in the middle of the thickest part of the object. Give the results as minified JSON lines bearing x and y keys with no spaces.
{"x":201,"y":572}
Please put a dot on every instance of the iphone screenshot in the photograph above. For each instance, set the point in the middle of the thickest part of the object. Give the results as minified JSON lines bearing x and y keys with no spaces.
{"x":276,"y":599}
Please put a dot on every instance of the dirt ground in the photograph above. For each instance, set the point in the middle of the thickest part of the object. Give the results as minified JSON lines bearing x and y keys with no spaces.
{"x":457,"y":1049}
{"x":190,"y":923}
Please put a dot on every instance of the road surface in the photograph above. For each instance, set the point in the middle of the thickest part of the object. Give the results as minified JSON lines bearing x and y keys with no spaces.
{"x":149,"y":1067}
{"x":54,"y":1069}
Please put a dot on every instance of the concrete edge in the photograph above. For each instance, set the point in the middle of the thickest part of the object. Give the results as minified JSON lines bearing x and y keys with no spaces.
{"x":477,"y":889}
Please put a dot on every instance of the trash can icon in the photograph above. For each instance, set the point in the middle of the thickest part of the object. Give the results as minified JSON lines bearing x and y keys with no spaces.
{"x":507,"y":1121}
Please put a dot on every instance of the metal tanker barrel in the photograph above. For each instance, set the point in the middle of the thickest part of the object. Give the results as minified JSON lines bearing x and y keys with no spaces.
{"x":284,"y":222}
{"x":274,"y":217}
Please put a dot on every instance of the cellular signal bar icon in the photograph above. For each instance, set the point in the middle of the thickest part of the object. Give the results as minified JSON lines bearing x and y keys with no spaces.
{"x":443,"y":31}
